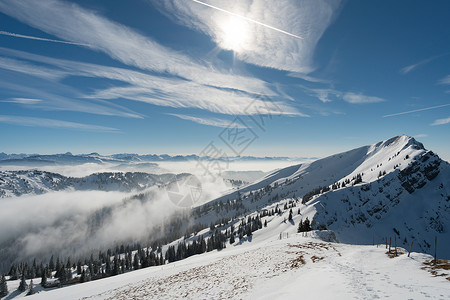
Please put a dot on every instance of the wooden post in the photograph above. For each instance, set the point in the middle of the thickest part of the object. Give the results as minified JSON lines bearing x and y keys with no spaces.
{"x":435,"y":249}
{"x":395,"y":237}
{"x":386,"y":241}
{"x":410,"y":248}
{"x":390,"y":239}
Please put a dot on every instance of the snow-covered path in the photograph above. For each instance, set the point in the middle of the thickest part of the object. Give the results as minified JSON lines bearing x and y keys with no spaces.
{"x":272,"y":269}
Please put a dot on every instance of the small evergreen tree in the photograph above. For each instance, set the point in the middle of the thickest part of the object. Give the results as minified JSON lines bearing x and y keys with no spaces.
{"x":31,"y":289}
{"x":83,"y":276}
{"x":232,"y":239}
{"x":3,"y":287}
{"x":290,"y":215}
{"x":300,"y":226}
{"x":23,"y":285}
{"x":51,"y":264}
{"x":44,"y":278}
{"x":307,"y":225}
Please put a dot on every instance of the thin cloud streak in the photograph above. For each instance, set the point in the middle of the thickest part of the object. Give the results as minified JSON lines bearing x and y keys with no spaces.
{"x":40,"y":39}
{"x":445,"y":80}
{"x":441,"y":121}
{"x":26,"y":101}
{"x":216,"y":122}
{"x":51,"y":123}
{"x":412,"y":67}
{"x":415,"y":110}
{"x":248,"y":19}
{"x":354,"y":98}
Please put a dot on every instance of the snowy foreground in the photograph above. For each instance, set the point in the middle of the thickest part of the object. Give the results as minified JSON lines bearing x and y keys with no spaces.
{"x":270,"y":268}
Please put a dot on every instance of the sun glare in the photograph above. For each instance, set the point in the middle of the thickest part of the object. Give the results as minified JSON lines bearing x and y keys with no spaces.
{"x":234,"y":34}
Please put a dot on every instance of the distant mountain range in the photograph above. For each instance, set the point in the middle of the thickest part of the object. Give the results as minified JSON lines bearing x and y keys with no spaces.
{"x":70,"y":159}
{"x":17,"y":183}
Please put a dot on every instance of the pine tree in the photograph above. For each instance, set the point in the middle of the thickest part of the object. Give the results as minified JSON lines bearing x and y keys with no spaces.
{"x":290,"y":215}
{"x":307,"y":225}
{"x":265,"y":223}
{"x":23,"y":285}
{"x":300,"y":226}
{"x":83,"y":276}
{"x":31,"y":289}
{"x":51,"y":264}
{"x":116,"y":270}
{"x":3,"y":287}
{"x":232,"y":239}
{"x":79,"y":267}
{"x":136,"y":261}
{"x":44,"y":278}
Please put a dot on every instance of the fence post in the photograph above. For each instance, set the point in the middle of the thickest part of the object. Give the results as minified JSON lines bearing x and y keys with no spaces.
{"x":435,"y":249}
{"x":390,"y":239}
{"x":386,"y":241}
{"x":410,"y":248}
{"x":395,"y":245}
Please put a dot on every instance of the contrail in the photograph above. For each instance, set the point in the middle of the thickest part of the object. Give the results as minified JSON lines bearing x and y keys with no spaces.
{"x":247,"y":19}
{"x":416,"y":110}
{"x":40,"y":39}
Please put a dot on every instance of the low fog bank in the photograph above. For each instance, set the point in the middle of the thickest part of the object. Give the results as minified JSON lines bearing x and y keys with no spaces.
{"x":78,"y":223}
{"x":193,"y":167}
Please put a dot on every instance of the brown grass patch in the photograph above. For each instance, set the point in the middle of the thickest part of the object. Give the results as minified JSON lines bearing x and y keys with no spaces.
{"x":316,"y":258}
{"x":436,"y":269}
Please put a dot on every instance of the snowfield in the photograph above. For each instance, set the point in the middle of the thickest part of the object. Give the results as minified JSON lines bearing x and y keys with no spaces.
{"x":293,"y":267}
{"x":395,"y":189}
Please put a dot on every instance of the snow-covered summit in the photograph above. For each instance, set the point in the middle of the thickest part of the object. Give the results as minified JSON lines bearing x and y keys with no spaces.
{"x":392,"y":188}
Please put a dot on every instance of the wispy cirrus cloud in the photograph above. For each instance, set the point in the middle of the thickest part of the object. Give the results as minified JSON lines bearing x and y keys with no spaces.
{"x":263,"y":46}
{"x":445,"y":80}
{"x":51,"y":123}
{"x":407,"y":69}
{"x":441,"y":121}
{"x":158,"y":90}
{"x":325,"y":95}
{"x":23,"y":36}
{"x":216,"y":122}
{"x":354,"y":98}
{"x":25,"y":101}
{"x":415,"y":110}
{"x":71,"y":22}
{"x":30,"y":69}
{"x":180,"y":81}
{"x":61,"y":98}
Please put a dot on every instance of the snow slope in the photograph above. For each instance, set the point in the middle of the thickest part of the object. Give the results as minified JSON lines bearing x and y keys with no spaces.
{"x":403,"y":191}
{"x":266,"y":267}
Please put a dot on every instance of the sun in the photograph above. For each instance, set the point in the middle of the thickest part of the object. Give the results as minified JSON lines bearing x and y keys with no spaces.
{"x":233,"y":34}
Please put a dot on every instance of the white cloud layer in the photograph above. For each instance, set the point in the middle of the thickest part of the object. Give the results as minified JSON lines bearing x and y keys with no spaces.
{"x":354,"y":98}
{"x":262,"y":46}
{"x":50,"y":123}
{"x":441,"y":121}
{"x":181,"y":81}
{"x":216,"y":122}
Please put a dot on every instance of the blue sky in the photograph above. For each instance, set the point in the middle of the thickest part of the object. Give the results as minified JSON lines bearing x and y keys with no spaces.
{"x":173,"y":76}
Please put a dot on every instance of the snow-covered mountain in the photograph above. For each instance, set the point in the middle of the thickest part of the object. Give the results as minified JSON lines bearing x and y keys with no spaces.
{"x":17,"y":183}
{"x":395,"y":188}
{"x":68,"y":158}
